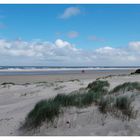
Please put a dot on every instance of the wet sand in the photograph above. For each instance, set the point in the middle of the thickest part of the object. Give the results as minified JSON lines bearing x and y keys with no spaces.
{"x":61,"y":76}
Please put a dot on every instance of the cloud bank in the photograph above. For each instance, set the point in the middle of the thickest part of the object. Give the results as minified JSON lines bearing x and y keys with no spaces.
{"x":60,"y":52}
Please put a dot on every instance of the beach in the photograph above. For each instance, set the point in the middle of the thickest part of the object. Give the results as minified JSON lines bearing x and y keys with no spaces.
{"x":25,"y":76}
{"x":20,"y":93}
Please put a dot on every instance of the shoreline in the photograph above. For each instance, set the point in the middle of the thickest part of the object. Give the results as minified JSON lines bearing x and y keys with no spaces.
{"x":67,"y":69}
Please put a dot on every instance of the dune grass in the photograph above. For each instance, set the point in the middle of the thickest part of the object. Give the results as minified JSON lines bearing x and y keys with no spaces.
{"x":65,"y":100}
{"x":128,"y":86}
{"x":104,"y":104}
{"x":95,"y":93}
{"x":43,"y":110}
{"x":98,"y":86}
{"x":118,"y":106}
{"x":124,"y":104}
{"x":48,"y":110}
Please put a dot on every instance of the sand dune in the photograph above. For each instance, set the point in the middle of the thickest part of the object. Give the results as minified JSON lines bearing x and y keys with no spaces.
{"x":18,"y":99}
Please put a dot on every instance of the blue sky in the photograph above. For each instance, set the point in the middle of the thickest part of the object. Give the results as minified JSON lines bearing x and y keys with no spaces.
{"x":91,"y":33}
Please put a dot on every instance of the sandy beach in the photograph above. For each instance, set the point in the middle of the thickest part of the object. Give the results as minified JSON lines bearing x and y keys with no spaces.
{"x":19,"y":96}
{"x":60,"y":75}
{"x":69,"y":69}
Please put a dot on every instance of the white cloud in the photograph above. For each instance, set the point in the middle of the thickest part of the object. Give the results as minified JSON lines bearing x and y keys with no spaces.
{"x":60,"y":52}
{"x":135,"y":45}
{"x":106,"y":50}
{"x":69,"y":12}
{"x":72,"y":34}
{"x":117,"y":56}
{"x":60,"y":43}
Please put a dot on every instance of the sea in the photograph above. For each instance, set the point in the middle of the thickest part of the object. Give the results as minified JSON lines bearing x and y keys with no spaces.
{"x":48,"y":70}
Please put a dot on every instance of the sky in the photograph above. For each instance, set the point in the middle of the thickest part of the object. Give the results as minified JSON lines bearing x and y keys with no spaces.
{"x":70,"y":34}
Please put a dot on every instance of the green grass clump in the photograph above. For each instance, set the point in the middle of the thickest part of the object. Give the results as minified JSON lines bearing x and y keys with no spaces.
{"x":124,"y":104}
{"x":65,"y":100}
{"x":128,"y":86}
{"x":104,"y":104}
{"x":98,"y":86}
{"x":120,"y":107}
{"x":77,"y":100}
{"x":43,"y":110}
{"x":50,"y":109}
{"x":84,"y":100}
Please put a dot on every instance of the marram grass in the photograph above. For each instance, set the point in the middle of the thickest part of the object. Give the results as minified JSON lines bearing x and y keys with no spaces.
{"x":48,"y":110}
{"x":96,"y":92}
{"x":128,"y":86}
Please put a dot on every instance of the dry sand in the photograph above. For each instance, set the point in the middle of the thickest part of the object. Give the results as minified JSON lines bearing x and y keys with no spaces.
{"x":17,"y":100}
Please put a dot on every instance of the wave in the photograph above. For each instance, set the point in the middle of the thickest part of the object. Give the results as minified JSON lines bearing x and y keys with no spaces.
{"x":57,"y":68}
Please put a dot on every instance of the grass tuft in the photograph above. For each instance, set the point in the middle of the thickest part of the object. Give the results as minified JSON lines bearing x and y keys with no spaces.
{"x":65,"y":100}
{"x":128,"y":86}
{"x":124,"y":104}
{"x":104,"y":105}
{"x":99,"y":86}
{"x":43,"y":110}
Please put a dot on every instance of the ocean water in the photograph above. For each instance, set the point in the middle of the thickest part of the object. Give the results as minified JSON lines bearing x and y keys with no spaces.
{"x":46,"y":70}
